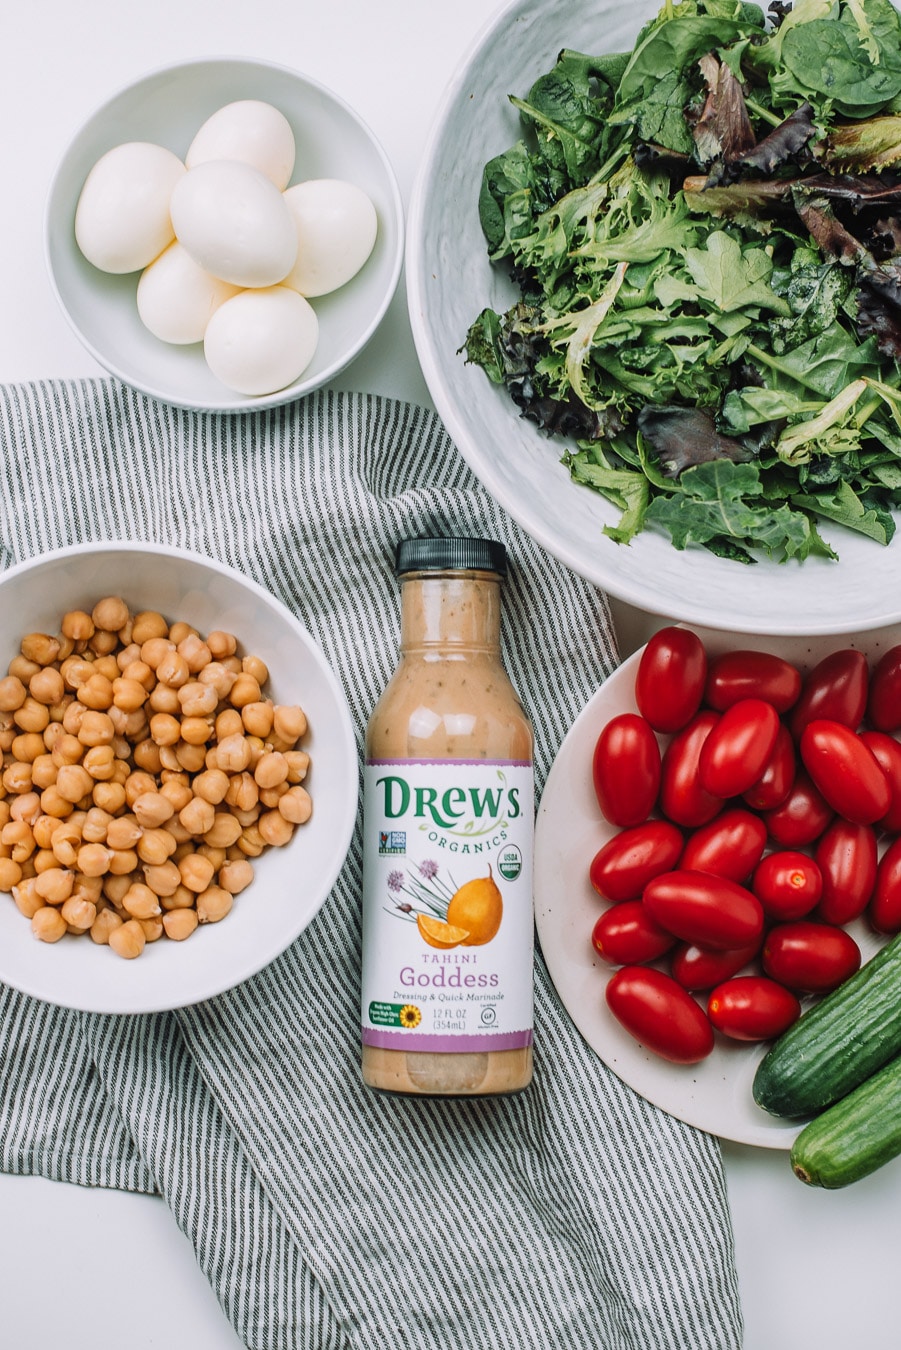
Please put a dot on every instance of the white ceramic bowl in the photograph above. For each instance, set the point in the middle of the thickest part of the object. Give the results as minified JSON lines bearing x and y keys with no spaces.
{"x":167,"y":107}
{"x":291,"y":883}
{"x":450,"y":280}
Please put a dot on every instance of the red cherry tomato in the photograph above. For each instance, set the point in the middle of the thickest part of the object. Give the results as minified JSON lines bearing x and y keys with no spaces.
{"x":698,"y":968}
{"x":884,"y":701}
{"x":802,"y":817}
{"x":845,"y":771}
{"x":702,"y":908}
{"x":788,"y":884}
{"x":626,"y":769}
{"x":660,"y":1014}
{"x":626,"y":935}
{"x":623,"y":866}
{"x":846,"y":855}
{"x":809,"y":957}
{"x":775,"y":783}
{"x":836,"y":689}
{"x":752,"y":1008}
{"x":730,"y":846}
{"x":737,"y":751}
{"x":749,"y":674}
{"x":682,"y":799}
{"x":669,"y":682}
{"x":884,"y":912}
{"x":888,"y":754}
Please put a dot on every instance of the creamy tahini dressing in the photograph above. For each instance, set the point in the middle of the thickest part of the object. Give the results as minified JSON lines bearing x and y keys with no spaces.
{"x":450,"y":699}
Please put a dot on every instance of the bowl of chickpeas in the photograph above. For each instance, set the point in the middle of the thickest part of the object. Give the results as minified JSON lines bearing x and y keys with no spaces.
{"x":179,"y":777}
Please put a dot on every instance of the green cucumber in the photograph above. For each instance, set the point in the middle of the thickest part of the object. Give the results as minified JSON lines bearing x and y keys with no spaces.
{"x":838,"y":1043}
{"x":855,"y":1136}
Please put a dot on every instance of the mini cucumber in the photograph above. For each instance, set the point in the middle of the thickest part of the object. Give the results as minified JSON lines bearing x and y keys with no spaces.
{"x":855,"y":1136}
{"x":838,"y":1043}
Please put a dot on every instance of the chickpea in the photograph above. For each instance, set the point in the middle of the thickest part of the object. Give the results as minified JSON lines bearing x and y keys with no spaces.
{"x":115,"y":885}
{"x":257,"y":718}
{"x":246,"y":689}
{"x":197,"y":700}
{"x":195,"y":651}
{"x":76,"y":671}
{"x":41,"y":860}
{"x":245,"y":818}
{"x":103,"y":643}
{"x":78,"y":913}
{"x":275,"y":828}
{"x":298,"y":765}
{"x":43,"y":772}
{"x":140,"y":901}
{"x":153,"y":929}
{"x":221,"y":644}
{"x":55,"y":884}
{"x":109,"y":797}
{"x":176,"y":788}
{"x":95,"y":825}
{"x":96,"y":728}
{"x":180,"y":923}
{"x":290,"y":723}
{"x":107,"y":666}
{"x":211,"y":785}
{"x":228,"y":723}
{"x":152,"y":809}
{"x":164,"y":878}
{"x":27,"y":747}
{"x":96,"y":692}
{"x":48,"y":925}
{"x":181,"y":898}
{"x":270,"y":797}
{"x":224,"y":831}
{"x":251,"y":842}
{"x":173,"y":669}
{"x":196,"y":872}
{"x":154,"y":650}
{"x":32,"y":716}
{"x":44,"y":829}
{"x":40,"y":648}
{"x":164,"y":699}
{"x":217,"y":676}
{"x":147,"y":624}
{"x":169,"y":762}
{"x":270,"y":769}
{"x":236,"y":875}
{"x":12,"y":693}
{"x":123,"y":861}
{"x":23,"y":668}
{"x":89,"y":888}
{"x":103,"y":925}
{"x":128,"y":940}
{"x":54,"y":804}
{"x":213,"y":904}
{"x":68,"y":749}
{"x":128,"y":694}
{"x":110,"y":614}
{"x":47,"y":686}
{"x":93,"y":860}
{"x":197,"y":816}
{"x":190,"y":757}
{"x":196,"y":731}
{"x":233,"y":754}
{"x":149,"y":756}
{"x":73,"y":782}
{"x":26,"y":898}
{"x":155,"y":846}
{"x":10,"y":874}
{"x":165,"y":729}
{"x":17,"y":777}
{"x":137,"y":784}
{"x":77,"y":625}
{"x":99,"y":762}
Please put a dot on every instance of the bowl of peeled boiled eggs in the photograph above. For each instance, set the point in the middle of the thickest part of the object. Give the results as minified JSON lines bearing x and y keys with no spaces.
{"x":224,"y":234}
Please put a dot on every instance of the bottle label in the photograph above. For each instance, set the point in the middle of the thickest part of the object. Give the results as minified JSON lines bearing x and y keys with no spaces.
{"x":447,"y":905}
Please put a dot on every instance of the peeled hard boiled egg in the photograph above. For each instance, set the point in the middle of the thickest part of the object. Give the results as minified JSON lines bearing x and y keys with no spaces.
{"x":336,"y":228}
{"x":176,"y":298}
{"x":250,"y":131}
{"x":122,"y":219}
{"x":234,"y":222}
{"x":261,"y":340}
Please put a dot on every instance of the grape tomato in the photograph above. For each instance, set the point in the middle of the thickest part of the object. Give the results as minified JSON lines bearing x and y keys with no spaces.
{"x":884,"y":912}
{"x":810,"y":957}
{"x":788,"y":884}
{"x":738,"y":748}
{"x":836,"y":689}
{"x":845,"y":771}
{"x":752,"y":1008}
{"x":884,"y":699}
{"x":623,"y":866}
{"x":846,"y":855}
{"x":698,"y":968}
{"x":730,"y":846}
{"x":682,"y":798}
{"x":660,"y":1014}
{"x":669,"y":683}
{"x":626,"y":935}
{"x":775,"y":783}
{"x":626,"y":770}
{"x":702,"y":908}
{"x":738,"y":675}
{"x":802,"y":817}
{"x":887,"y":752}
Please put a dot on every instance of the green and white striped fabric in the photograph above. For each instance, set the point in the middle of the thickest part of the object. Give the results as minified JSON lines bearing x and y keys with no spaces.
{"x":327,"y":1217}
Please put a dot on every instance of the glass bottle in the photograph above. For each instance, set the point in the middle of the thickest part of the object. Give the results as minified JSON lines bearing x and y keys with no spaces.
{"x":448,"y":828}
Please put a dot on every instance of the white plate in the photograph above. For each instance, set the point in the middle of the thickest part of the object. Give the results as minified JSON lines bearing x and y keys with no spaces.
{"x":714,"y":1095}
{"x":450,"y":280}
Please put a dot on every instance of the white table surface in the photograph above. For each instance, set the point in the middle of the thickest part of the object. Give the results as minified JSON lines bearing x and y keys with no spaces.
{"x":817,"y":1269}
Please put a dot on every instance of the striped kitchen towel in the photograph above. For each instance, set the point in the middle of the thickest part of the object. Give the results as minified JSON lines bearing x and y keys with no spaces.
{"x":327,"y":1217}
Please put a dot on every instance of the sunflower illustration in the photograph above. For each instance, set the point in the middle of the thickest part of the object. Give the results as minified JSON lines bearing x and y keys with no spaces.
{"x":410,"y":1016}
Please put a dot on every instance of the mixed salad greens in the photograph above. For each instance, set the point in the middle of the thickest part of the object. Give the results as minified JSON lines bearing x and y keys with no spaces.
{"x":706,"y":236}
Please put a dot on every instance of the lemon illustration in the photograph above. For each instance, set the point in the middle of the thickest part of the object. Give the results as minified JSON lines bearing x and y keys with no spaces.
{"x":477,"y":906}
{"x":437,"y":933}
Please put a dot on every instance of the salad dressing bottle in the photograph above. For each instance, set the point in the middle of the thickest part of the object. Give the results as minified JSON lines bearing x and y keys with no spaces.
{"x":448,"y":813}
